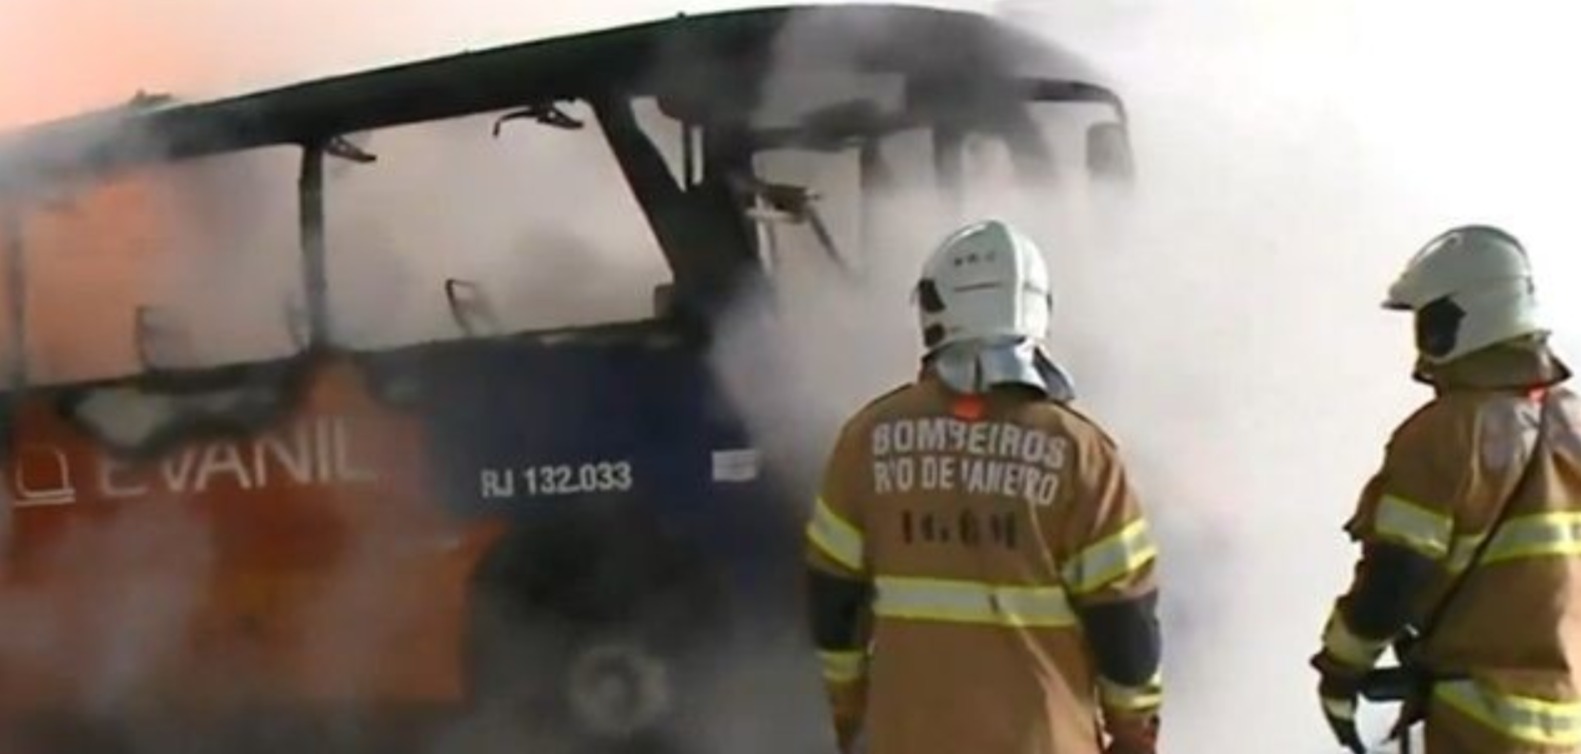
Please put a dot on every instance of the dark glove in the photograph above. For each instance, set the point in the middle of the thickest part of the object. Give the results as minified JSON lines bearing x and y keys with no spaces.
{"x":848,"y":703}
{"x":846,"y":733}
{"x":1339,"y":687}
{"x":1132,"y":735}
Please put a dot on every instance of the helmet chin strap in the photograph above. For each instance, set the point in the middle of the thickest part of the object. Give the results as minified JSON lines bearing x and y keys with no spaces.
{"x":978,"y":366}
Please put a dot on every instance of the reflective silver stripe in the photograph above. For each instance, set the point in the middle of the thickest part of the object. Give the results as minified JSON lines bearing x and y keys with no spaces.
{"x":843,"y":667}
{"x":1110,"y":558}
{"x":1347,"y":646}
{"x":1414,"y":526}
{"x":1132,"y":698}
{"x":1461,"y":551}
{"x":1537,"y":721}
{"x":971,"y":602}
{"x":835,"y":536}
{"x":1535,"y":536}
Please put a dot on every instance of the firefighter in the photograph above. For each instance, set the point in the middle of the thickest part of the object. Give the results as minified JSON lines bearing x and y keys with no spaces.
{"x":981,"y":573}
{"x":1469,"y":560}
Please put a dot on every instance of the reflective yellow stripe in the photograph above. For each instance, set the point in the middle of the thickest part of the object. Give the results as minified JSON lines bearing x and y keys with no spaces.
{"x":835,"y":537}
{"x":843,"y":667}
{"x":1536,"y":536}
{"x":971,"y":602}
{"x":1132,"y":698}
{"x":1528,"y":719}
{"x":1344,"y":709}
{"x":1414,"y":526}
{"x":1347,"y":646}
{"x":1110,"y":558}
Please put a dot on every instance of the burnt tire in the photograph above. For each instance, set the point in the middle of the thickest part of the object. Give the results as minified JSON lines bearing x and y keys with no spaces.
{"x":592,"y":617}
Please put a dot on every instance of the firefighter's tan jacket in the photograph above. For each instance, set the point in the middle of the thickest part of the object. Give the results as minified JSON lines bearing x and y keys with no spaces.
{"x":981,"y":527}
{"x":1514,"y":629}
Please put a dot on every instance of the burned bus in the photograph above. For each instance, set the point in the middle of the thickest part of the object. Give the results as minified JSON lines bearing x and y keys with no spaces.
{"x":368,"y":502}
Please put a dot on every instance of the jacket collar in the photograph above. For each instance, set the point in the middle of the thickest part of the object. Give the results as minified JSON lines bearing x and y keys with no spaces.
{"x":1520,"y":364}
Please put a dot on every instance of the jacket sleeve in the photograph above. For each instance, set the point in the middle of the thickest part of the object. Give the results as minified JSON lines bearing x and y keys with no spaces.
{"x":1405,"y":523}
{"x":1107,"y":559}
{"x":838,"y":581}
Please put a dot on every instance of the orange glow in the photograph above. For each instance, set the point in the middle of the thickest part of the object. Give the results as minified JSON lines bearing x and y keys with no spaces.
{"x":61,"y":58}
{"x":88,"y":263}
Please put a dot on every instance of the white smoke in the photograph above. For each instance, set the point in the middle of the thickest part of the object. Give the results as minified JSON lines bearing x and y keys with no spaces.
{"x":1296,"y":157}
{"x":1224,"y":323}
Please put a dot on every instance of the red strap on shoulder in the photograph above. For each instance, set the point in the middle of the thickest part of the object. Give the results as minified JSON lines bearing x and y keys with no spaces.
{"x":969,"y":407}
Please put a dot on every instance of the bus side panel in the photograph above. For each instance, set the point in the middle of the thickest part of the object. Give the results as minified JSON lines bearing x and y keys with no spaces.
{"x":305,"y":563}
{"x":515,"y":428}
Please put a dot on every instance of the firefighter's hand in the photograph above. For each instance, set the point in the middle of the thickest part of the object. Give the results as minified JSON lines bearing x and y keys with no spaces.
{"x":1132,"y":735}
{"x":1339,"y":688}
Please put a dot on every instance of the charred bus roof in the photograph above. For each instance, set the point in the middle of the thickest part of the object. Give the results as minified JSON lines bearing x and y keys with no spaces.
{"x":710,"y":73}
{"x":682,"y":60}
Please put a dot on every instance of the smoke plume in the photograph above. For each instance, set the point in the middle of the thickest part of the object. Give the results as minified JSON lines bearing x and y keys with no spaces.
{"x":1222,"y":320}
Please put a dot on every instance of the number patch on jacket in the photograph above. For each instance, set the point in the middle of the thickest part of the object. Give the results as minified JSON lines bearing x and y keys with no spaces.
{"x":968,"y":528}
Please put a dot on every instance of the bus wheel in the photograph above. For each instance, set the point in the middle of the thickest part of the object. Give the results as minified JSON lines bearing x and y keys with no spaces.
{"x":589,"y":618}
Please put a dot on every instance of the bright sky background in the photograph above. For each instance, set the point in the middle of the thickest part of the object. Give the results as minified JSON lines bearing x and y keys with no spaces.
{"x":61,"y":55}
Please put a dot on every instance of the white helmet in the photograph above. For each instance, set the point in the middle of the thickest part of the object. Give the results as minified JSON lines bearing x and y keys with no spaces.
{"x":986,"y":282}
{"x":1470,"y":287}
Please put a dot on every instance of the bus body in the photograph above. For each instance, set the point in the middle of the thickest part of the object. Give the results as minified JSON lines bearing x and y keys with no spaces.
{"x":389,"y":533}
